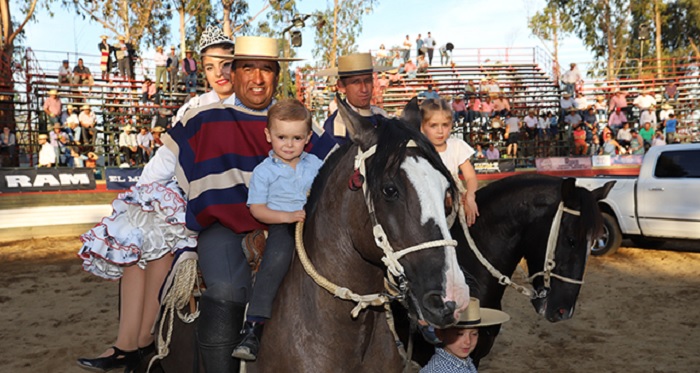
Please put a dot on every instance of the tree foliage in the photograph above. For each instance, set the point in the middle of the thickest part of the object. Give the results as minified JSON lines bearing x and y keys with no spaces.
{"x":274,"y":25}
{"x":141,"y":21}
{"x":338,"y":27}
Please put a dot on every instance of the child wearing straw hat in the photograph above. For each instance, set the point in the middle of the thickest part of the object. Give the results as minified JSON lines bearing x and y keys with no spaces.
{"x":452,"y":355}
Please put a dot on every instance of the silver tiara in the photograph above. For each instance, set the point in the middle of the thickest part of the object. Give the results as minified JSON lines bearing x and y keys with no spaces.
{"x":212,"y":35}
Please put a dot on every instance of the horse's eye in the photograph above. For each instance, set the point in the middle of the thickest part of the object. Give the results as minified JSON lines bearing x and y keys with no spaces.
{"x":390,"y":192}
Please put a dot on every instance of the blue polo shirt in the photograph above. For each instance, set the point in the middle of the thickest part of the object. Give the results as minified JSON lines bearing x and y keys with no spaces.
{"x":281,"y":187}
{"x":671,"y":125}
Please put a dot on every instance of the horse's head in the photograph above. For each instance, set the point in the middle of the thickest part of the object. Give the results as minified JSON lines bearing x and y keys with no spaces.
{"x":576,"y":224}
{"x":410,"y":191}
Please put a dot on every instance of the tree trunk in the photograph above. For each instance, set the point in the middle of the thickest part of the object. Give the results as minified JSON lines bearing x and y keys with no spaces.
{"x":555,"y":43}
{"x":609,"y":37}
{"x":334,"y":44}
{"x":183,"y":42}
{"x":657,"y":39}
{"x":228,"y":30}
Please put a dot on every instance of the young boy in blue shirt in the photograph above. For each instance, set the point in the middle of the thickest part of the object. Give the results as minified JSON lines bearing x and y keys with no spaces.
{"x":277,"y":195}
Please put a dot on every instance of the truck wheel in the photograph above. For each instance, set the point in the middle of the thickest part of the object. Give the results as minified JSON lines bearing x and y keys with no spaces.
{"x":611,"y":239}
{"x":647,"y":243}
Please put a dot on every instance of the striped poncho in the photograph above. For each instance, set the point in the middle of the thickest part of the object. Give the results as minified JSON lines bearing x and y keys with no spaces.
{"x":217,"y":148}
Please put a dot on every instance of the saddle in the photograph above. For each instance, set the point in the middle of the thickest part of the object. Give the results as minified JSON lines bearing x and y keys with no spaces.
{"x":254,"y":247}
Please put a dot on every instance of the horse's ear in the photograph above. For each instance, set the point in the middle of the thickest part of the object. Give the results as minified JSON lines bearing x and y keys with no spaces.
{"x":361,"y":130}
{"x":568,"y":190}
{"x":602,"y":192}
{"x":411,"y":113}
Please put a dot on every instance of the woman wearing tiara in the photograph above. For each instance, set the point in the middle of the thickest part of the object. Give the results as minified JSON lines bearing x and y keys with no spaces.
{"x":136,"y":243}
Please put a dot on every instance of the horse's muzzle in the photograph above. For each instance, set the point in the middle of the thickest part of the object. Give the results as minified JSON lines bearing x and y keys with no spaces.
{"x":436,"y":311}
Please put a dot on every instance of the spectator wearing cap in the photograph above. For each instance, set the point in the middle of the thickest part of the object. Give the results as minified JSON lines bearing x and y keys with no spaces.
{"x":64,"y":73}
{"x":617,"y":119}
{"x":87,"y":120}
{"x":649,"y":115}
{"x":105,"y":56}
{"x":47,"y":155}
{"x":189,"y":67}
{"x":566,"y":102}
{"x":666,"y":109}
{"x":162,"y":119}
{"x":161,"y":61}
{"x":570,"y":78}
{"x":124,"y":52}
{"x":644,"y":101}
{"x":145,"y":141}
{"x":129,"y":147}
{"x":173,"y":67}
{"x":69,"y":115}
{"x":82,"y":74}
{"x":52,"y":108}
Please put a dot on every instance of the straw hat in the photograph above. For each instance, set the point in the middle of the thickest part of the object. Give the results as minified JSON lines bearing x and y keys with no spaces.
{"x":57,"y":125}
{"x":158,"y":129}
{"x":43,"y":137}
{"x":566,"y":94}
{"x":666,"y":107}
{"x":85,"y":107}
{"x":600,"y":98}
{"x":53,"y":92}
{"x":127,"y":128}
{"x":354,"y":64}
{"x":120,"y":37}
{"x":70,"y":107}
{"x":92,"y":155}
{"x":103,"y":37}
{"x":172,"y":47}
{"x":475,"y":316}
{"x":255,"y":48}
{"x":159,"y":48}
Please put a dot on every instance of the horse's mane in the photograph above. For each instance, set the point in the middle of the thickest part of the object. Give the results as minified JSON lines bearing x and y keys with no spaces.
{"x":505,"y":193}
{"x":393,"y":135}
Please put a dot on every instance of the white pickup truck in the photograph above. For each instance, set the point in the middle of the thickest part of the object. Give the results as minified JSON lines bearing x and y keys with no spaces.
{"x":662,"y":203}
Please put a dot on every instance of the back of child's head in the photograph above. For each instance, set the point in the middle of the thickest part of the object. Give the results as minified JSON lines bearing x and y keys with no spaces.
{"x":672,"y":115}
{"x":431,"y":106}
{"x":289,"y":110}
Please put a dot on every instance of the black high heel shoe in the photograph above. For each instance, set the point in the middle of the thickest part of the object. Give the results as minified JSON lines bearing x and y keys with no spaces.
{"x":119,"y":359}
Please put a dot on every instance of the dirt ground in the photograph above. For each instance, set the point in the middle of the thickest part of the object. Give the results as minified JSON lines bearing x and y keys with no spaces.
{"x":638,"y":312}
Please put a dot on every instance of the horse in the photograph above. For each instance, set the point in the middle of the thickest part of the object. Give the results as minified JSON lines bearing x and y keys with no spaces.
{"x":385,"y":190}
{"x":516,"y":214}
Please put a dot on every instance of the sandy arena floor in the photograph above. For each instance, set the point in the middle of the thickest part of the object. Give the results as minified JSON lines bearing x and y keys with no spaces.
{"x":638,"y":312}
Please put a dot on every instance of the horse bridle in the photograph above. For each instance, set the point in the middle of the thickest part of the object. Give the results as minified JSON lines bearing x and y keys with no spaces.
{"x":549,"y":263}
{"x":395,"y":280}
{"x":391,"y":257}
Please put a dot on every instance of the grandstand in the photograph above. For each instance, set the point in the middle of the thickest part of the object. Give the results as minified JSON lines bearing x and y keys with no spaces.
{"x":525,"y":76}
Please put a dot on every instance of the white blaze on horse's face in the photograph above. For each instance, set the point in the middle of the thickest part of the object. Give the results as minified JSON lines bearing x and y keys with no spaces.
{"x":430,"y":185}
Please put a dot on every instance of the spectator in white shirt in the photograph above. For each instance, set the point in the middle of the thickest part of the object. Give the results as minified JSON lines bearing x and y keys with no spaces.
{"x":128,"y":146}
{"x":161,"y":60}
{"x":145,"y":141}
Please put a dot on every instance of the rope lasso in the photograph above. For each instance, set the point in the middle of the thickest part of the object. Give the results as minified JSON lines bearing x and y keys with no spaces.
{"x":175,"y":299}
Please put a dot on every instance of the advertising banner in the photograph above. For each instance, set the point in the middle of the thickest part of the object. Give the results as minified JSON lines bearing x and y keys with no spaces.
{"x":122,"y":178}
{"x":46,"y":179}
{"x":485,"y":166}
{"x":563,"y":163}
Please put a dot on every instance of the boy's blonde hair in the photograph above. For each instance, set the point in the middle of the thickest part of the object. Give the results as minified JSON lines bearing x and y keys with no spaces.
{"x":289,"y":110}
{"x":431,"y":105}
